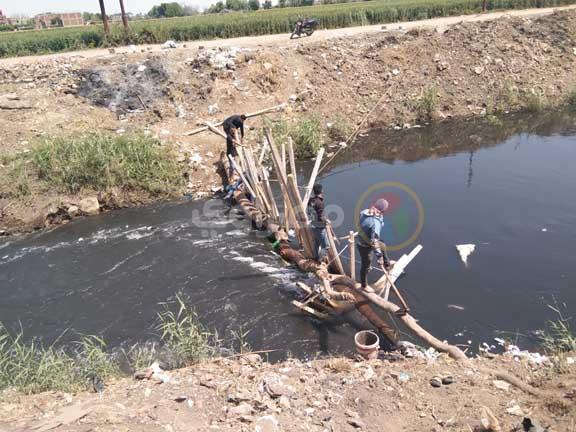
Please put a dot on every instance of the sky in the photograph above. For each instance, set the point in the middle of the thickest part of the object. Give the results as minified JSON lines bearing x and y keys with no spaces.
{"x":33,"y":7}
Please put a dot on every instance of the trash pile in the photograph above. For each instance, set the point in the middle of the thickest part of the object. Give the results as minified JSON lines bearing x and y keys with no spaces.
{"x":220,"y":58}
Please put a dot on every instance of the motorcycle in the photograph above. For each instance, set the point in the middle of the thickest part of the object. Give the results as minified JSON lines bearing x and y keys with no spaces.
{"x":305,"y":26}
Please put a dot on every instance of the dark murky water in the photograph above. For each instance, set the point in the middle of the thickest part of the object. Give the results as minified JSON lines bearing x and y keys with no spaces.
{"x":510,"y":190}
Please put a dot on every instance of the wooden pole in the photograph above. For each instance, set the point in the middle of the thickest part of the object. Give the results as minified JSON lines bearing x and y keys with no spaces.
{"x":343,"y":283}
{"x":352,"y":246}
{"x":124,"y":17}
{"x":335,"y":261}
{"x":104,"y":18}
{"x":313,"y":175}
{"x":254,"y":114}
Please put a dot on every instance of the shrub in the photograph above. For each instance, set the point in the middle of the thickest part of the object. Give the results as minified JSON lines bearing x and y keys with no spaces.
{"x":307,"y":136}
{"x":339,"y":129}
{"x":100,"y":162}
{"x":425,"y":104}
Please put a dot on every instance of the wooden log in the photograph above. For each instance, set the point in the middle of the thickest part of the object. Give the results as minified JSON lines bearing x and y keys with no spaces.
{"x":363,"y":300}
{"x":313,"y":175}
{"x":352,"y":246}
{"x":335,"y":262}
{"x":254,"y":114}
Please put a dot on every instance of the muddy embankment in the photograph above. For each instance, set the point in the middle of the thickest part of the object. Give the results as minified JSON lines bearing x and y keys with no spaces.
{"x":390,"y":394}
{"x":472,"y":69}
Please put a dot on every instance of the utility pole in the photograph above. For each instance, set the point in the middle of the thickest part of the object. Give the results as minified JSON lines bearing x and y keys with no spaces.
{"x":124,"y":18}
{"x":104,"y":18}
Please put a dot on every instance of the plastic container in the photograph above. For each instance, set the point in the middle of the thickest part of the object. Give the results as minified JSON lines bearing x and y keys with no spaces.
{"x":367,"y":344}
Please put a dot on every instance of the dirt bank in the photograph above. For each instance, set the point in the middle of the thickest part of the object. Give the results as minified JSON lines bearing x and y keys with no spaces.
{"x":462,"y":70}
{"x":246,"y":394}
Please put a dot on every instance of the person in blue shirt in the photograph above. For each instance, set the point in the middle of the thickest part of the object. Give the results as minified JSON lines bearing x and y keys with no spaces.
{"x":371,"y":223}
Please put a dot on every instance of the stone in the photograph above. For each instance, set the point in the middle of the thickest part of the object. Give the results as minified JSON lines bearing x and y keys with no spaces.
{"x":515,"y":410}
{"x":501,"y":385}
{"x":267,"y":424}
{"x":73,"y":211}
{"x":89,"y":206}
{"x":267,"y":66}
{"x":478,"y":70}
{"x":357,"y":423}
{"x":447,"y":380}
{"x":276,"y":389}
{"x":436,"y":382}
{"x":243,"y":409}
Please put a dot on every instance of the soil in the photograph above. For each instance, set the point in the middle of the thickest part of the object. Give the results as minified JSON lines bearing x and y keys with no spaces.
{"x":420,"y":72}
{"x":338,"y":394}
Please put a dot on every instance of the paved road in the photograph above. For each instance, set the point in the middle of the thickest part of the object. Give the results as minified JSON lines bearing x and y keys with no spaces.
{"x":283,"y":39}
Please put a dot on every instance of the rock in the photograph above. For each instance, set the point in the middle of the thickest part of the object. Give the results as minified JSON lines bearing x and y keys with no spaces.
{"x":73,"y":211}
{"x":501,"y":385}
{"x":169,"y":44}
{"x":436,"y":382}
{"x":447,"y":380}
{"x":357,"y":423}
{"x":489,"y":421}
{"x":89,"y":206}
{"x":213,"y":109}
{"x":395,"y":72}
{"x":252,"y":359}
{"x":441,"y":66}
{"x":267,"y":424}
{"x":515,"y":410}
{"x":478,"y":70}
{"x":532,"y":425}
{"x":275,"y":388}
{"x":267,"y":66}
{"x":243,"y":409}
{"x":284,"y":401}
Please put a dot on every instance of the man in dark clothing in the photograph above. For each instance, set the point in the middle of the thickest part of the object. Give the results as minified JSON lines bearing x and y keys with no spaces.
{"x":318,"y":222}
{"x":231,"y":125}
{"x":371,"y":223}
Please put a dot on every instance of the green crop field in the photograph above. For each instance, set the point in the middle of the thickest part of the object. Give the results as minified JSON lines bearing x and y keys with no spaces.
{"x":249,"y":23}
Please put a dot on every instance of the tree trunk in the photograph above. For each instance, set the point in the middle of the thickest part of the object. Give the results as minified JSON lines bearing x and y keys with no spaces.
{"x":124,"y":18}
{"x":104,"y":18}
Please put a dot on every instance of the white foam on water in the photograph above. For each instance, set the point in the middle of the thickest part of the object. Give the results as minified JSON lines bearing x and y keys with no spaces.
{"x":243,"y":259}
{"x":236,"y":233}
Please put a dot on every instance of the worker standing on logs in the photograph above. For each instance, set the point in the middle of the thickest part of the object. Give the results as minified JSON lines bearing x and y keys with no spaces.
{"x":371,"y":223}
{"x":318,"y":222}
{"x":231,"y":125}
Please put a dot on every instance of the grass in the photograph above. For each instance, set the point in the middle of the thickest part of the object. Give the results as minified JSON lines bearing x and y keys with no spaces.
{"x":261,"y":22}
{"x":31,"y":367}
{"x":306,"y":134}
{"x":100,"y":162}
{"x":425,"y":105}
{"x":534,"y":100}
{"x":571,"y":100}
{"x":559,"y":339}
{"x":183,"y":333}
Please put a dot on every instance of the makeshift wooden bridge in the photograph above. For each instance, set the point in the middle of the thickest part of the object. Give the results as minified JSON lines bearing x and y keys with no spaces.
{"x":337,"y":288}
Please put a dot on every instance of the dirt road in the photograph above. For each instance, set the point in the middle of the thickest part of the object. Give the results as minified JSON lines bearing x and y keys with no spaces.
{"x":441,"y":24}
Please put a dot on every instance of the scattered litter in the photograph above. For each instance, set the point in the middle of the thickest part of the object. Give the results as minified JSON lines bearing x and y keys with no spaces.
{"x":403,"y":377}
{"x":154,"y":372}
{"x":213,"y":109}
{"x":457,"y":307}
{"x":532,"y":357}
{"x":544,"y":229}
{"x":142,"y":68}
{"x":169,"y":44}
{"x":465,"y":250}
{"x":530,"y":425}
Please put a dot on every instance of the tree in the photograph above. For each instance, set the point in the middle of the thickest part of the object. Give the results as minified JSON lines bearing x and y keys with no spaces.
{"x":237,"y":5}
{"x":267,"y":4}
{"x":216,"y":8}
{"x":166,"y":10}
{"x":254,"y":4}
{"x":190,"y":10}
{"x":282,"y":3}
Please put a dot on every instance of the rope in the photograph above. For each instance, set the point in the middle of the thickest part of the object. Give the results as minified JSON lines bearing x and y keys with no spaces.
{"x":354,"y":133}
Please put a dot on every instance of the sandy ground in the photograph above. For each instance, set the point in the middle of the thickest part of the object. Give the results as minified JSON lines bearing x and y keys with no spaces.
{"x":441,"y":24}
{"x":339,"y":394}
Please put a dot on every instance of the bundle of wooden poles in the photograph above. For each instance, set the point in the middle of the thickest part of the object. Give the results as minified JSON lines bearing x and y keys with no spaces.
{"x":335,"y":288}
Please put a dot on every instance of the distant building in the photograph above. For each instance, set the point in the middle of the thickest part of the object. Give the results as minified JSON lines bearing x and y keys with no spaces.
{"x":3,"y":19}
{"x":49,"y":20}
{"x":116,"y":18}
